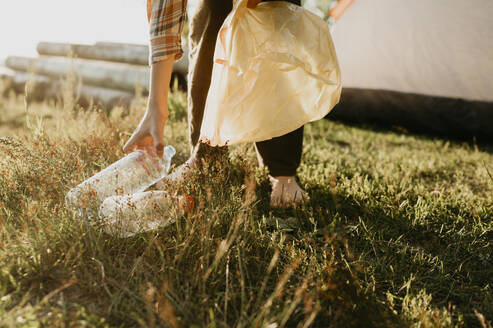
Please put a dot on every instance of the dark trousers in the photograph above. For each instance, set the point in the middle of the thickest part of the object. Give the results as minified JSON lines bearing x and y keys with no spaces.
{"x":281,"y":155}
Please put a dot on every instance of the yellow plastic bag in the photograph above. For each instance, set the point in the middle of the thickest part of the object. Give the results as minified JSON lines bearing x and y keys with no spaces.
{"x":275,"y":69}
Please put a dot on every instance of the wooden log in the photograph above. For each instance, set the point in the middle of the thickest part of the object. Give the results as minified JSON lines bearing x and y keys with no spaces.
{"x":125,"y":53}
{"x":6,"y":74}
{"x":6,"y":81}
{"x":43,"y":87}
{"x":180,"y":67}
{"x":39,"y":85}
{"x":110,"y":44}
{"x":118,"y":76}
{"x":6,"y":77}
{"x":103,"y":97}
{"x":108,"y":51}
{"x":4,"y":71}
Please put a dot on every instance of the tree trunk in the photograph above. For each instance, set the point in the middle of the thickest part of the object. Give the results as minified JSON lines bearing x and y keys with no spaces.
{"x":119,"y":76}
{"x":125,"y":53}
{"x":108,"y":51}
{"x":43,"y":87}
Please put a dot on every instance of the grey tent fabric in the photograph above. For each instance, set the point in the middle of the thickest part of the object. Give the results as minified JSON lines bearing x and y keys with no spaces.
{"x":453,"y":117}
{"x":432,"y":60}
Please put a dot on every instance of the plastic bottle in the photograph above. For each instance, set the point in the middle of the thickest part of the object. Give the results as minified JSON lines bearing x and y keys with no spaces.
{"x":124,"y":216}
{"x":131,"y":174}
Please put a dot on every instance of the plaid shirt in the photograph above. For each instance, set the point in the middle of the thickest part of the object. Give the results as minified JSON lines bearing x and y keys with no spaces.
{"x":166,"y":19}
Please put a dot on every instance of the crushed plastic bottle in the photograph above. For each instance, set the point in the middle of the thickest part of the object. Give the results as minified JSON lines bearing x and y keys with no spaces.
{"x":125,"y":216}
{"x":131,"y":174}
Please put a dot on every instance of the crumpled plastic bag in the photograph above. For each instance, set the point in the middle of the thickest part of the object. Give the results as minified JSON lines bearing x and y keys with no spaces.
{"x":275,"y":69}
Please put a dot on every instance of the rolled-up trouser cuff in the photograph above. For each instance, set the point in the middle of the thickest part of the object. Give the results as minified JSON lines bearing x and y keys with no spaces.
{"x":281,"y":155}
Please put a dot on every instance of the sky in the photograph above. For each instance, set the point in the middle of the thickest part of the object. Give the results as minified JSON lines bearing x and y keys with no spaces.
{"x":25,"y":23}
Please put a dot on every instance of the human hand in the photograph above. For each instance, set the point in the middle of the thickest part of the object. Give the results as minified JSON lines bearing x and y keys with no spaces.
{"x":253,"y":3}
{"x":149,"y":133}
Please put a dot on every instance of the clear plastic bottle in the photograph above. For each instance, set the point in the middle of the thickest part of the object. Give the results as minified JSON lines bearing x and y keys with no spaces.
{"x":124,"y":216}
{"x":131,"y":174}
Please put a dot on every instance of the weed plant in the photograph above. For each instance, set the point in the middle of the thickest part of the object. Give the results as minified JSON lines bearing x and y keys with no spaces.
{"x":398,"y":232}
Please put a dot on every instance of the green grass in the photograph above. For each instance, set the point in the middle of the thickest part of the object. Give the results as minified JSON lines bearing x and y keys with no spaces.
{"x":398,"y":232}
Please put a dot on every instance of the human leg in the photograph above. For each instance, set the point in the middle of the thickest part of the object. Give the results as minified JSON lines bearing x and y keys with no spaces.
{"x":282,"y":156}
{"x":204,"y":27}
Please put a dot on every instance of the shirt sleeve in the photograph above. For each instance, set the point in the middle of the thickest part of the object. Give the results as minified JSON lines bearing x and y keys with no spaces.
{"x":166,"y":19}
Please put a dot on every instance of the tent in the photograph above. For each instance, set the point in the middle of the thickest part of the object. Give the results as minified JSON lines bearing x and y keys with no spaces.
{"x":423,"y":65}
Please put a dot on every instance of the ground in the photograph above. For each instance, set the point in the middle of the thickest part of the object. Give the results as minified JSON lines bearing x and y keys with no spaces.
{"x":398,"y":231}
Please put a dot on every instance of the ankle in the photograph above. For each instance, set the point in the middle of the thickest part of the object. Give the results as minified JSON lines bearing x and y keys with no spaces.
{"x":283,"y":178}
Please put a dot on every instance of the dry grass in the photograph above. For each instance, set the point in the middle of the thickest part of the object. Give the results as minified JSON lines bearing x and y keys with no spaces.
{"x":397,"y":233}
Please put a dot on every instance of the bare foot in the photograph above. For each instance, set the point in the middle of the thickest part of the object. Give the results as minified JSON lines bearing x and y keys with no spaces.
{"x":286,"y":192}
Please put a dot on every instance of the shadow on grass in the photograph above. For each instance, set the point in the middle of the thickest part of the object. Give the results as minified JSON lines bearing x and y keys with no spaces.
{"x":344,"y":300}
{"x":484,"y":145}
{"x":445,"y":255}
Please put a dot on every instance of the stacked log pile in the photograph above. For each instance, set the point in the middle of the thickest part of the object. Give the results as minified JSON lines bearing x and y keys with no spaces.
{"x":110,"y":73}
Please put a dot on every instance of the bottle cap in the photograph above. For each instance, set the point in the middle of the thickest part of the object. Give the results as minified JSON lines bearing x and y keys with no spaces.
{"x":186,"y":203}
{"x":169,"y":151}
